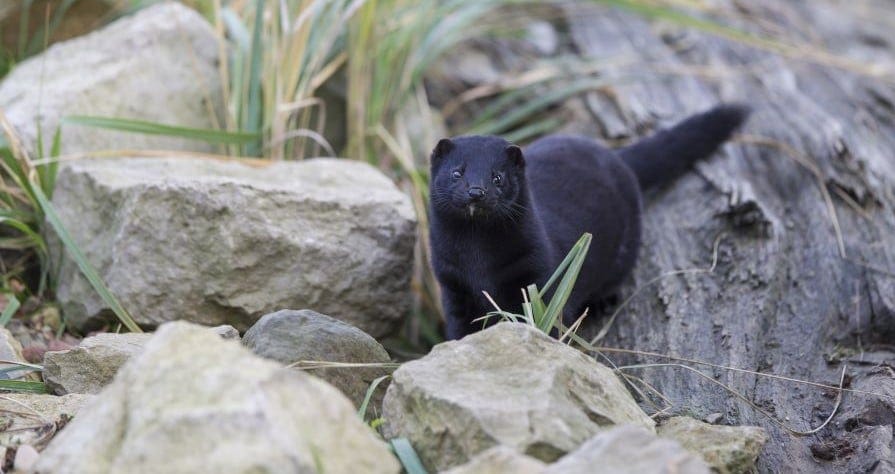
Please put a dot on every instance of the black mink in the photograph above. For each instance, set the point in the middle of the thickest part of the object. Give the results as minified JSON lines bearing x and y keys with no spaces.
{"x":503,"y":218}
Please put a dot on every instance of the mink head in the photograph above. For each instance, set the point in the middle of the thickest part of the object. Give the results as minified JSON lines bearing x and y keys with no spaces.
{"x":478,"y":178}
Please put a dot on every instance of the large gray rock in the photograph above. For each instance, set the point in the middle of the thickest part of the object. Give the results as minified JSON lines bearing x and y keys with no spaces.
{"x":289,"y":336}
{"x":192,"y":402}
{"x":32,"y":419}
{"x":219,"y":242}
{"x":727,"y":449}
{"x":160,"y":64}
{"x":629,"y":450}
{"x":509,"y":384}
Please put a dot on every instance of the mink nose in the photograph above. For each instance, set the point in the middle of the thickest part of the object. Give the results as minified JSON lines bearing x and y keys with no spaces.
{"x":476,"y":193}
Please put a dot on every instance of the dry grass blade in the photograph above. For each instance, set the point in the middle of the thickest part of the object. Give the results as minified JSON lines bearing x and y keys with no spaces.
{"x":325,"y":364}
{"x":809,"y":164}
{"x":733,"y":369}
{"x":362,"y":410}
{"x":742,"y":397}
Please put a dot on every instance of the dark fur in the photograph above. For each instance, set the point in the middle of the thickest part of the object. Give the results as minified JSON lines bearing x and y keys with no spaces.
{"x":501,"y":235}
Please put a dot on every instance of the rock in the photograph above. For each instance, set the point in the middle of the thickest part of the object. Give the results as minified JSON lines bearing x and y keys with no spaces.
{"x":289,"y":336}
{"x":11,"y":350}
{"x":192,"y":402}
{"x":542,"y":36}
{"x":500,"y":460}
{"x":226,"y":331}
{"x":160,"y":65}
{"x":26,"y":458}
{"x":91,"y":365}
{"x":509,"y":384}
{"x":713,"y":418}
{"x":224,"y":242}
{"x":32,"y":419}
{"x":465,"y":65}
{"x":727,"y":449}
{"x":629,"y":450}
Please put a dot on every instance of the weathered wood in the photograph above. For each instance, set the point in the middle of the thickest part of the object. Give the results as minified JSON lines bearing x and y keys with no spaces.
{"x":818,"y":154}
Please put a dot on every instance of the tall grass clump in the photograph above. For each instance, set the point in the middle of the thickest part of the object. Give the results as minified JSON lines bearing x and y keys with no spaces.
{"x":543,"y":307}
{"x":25,"y":209}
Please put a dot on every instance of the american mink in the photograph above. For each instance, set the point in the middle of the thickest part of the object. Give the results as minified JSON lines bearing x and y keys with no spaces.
{"x":503,"y":218}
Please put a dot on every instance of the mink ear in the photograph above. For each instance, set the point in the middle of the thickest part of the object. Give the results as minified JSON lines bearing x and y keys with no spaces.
{"x":514,"y":153}
{"x":444,"y":146}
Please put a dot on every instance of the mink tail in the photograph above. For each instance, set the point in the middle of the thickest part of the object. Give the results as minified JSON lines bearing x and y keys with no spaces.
{"x":667,"y":154}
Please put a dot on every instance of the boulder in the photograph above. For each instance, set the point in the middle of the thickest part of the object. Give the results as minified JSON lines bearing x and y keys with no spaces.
{"x":629,"y":450}
{"x":500,"y":460}
{"x":193,"y":402}
{"x":32,"y":419}
{"x":727,"y":449}
{"x":225,"y":242}
{"x":93,"y":364}
{"x":289,"y":336}
{"x":507,"y":385}
{"x":160,"y":64}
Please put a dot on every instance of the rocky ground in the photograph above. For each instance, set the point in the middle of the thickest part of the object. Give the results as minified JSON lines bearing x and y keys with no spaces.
{"x":325,"y":250}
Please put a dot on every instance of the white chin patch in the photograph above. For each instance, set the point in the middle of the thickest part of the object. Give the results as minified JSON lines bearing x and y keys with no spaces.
{"x":471,"y":210}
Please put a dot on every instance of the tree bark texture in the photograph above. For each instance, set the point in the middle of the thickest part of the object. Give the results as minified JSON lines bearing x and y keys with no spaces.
{"x":799,"y":208}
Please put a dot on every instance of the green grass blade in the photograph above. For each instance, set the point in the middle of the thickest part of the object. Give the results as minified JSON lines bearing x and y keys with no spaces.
{"x":33,"y":237}
{"x":12,"y":305}
{"x":362,"y":411}
{"x":23,"y":386}
{"x":235,"y":29}
{"x":537,"y":308}
{"x":407,"y":455}
{"x":559,"y":270}
{"x":48,"y":171}
{"x":525,"y":111}
{"x":253,"y":121}
{"x":152,"y":128}
{"x":4,"y":372}
{"x":564,"y":290}
{"x":532,"y":130}
{"x":86,"y":268}
{"x":529,"y":314}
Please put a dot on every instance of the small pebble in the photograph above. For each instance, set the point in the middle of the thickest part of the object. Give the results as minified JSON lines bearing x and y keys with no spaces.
{"x":26,"y":458}
{"x":713,"y":418}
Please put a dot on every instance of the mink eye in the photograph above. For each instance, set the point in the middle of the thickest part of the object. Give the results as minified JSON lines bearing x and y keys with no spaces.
{"x":457,"y":174}
{"x":497,"y":180}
